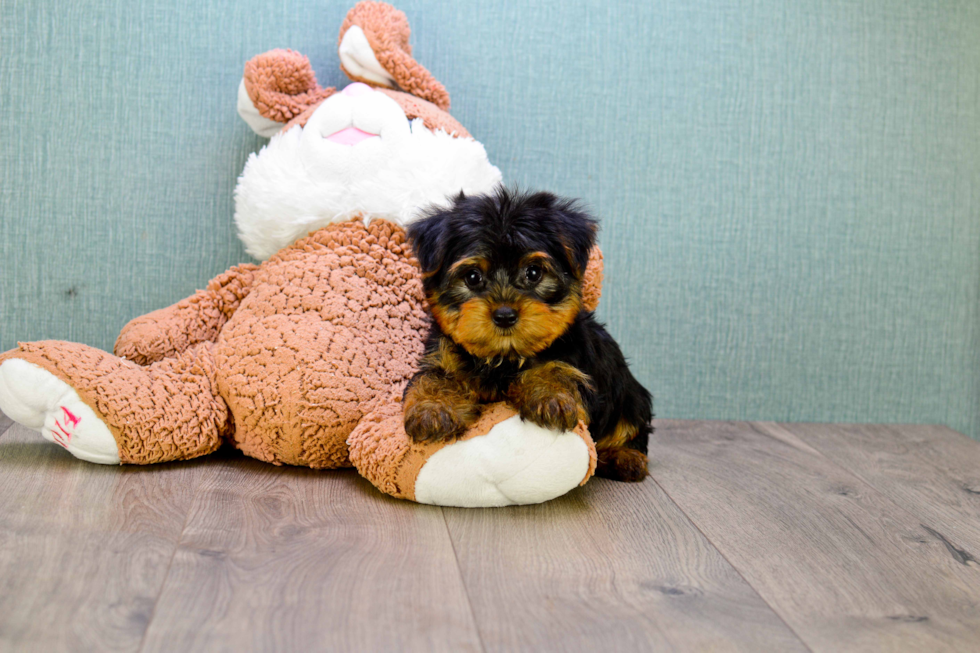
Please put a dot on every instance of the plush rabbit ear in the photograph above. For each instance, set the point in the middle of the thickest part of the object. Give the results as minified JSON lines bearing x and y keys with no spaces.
{"x":374,"y":49}
{"x":278,"y":86}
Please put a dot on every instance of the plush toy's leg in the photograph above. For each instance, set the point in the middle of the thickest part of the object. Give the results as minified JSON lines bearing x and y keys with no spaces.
{"x":39,"y":400}
{"x":500,"y":461}
{"x":108,"y":410}
{"x":168,"y":332}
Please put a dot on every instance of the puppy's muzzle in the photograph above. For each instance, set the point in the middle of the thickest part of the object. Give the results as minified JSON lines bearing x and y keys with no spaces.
{"x":504,"y":317}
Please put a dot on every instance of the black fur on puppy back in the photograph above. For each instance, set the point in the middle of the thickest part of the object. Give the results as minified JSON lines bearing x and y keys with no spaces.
{"x":510,"y":222}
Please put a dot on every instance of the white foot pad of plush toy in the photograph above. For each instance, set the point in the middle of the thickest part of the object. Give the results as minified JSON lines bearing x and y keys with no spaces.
{"x":516,"y":463}
{"x":34,"y":397}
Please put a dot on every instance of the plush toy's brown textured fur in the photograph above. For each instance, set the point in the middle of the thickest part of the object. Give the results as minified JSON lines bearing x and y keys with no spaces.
{"x":283,"y":359}
{"x":387,"y":31}
{"x":199,"y":318}
{"x":168,"y":411}
{"x":282,"y":85}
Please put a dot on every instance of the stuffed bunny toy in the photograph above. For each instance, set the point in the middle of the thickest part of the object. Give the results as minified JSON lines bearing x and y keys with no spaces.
{"x":301,"y":359}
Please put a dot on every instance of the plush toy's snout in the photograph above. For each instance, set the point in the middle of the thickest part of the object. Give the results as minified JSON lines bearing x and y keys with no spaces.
{"x":352,"y":135}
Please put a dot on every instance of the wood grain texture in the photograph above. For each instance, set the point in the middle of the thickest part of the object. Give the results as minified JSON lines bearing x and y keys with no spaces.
{"x":747,"y":537}
{"x":931,"y":471}
{"x":610,"y":567}
{"x":281,"y":558}
{"x":84,"y":548}
{"x":5,"y":423}
{"x":845,"y":566}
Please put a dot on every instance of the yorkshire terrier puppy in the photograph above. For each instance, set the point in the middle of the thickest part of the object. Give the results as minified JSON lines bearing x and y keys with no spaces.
{"x":503,"y":277}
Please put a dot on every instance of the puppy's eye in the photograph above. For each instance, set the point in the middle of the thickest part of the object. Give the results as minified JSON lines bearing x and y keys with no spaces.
{"x":473,"y":278}
{"x":533,"y":273}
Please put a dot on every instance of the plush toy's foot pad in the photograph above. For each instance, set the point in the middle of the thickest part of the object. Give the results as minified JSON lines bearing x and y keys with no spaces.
{"x":515,"y":463}
{"x":500,"y":461}
{"x":39,"y":400}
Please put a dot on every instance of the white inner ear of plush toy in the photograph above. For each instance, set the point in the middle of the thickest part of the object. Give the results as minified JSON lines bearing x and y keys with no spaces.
{"x":259,"y":123}
{"x":359,"y":60}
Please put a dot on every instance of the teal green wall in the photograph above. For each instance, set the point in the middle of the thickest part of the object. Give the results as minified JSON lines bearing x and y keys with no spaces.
{"x":790,"y":190}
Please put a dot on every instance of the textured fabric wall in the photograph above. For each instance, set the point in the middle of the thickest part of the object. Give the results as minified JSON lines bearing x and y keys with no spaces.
{"x":790,"y":190}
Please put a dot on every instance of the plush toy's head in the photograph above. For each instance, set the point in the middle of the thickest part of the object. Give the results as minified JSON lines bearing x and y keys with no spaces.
{"x":367,"y":150}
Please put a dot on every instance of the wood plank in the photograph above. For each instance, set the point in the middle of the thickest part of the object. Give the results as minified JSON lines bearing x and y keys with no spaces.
{"x":932,"y":471}
{"x":285,"y":558}
{"x":608,"y":567}
{"x":845,"y":566}
{"x":84,"y":548}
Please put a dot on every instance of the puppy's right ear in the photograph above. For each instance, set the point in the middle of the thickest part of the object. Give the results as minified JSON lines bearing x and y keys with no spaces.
{"x":277,"y":86}
{"x":429,"y":239}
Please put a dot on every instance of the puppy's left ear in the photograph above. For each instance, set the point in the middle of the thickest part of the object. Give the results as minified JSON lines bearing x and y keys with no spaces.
{"x":578,"y":234}
{"x":428,"y":237}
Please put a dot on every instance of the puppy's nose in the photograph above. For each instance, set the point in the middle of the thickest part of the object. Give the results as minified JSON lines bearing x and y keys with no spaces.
{"x":505,"y":316}
{"x":355,"y":89}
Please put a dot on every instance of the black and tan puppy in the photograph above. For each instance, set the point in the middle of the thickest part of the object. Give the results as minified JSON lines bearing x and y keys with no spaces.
{"x":503,"y":277}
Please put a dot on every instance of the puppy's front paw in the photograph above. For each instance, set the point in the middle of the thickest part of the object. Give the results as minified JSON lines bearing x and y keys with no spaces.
{"x":559,"y":411}
{"x":548,"y":395}
{"x":432,"y":421}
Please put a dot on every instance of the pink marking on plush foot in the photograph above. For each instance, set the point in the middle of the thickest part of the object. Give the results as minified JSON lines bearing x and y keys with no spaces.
{"x":70,"y":417}
{"x":350,"y":136}
{"x":63,"y":435}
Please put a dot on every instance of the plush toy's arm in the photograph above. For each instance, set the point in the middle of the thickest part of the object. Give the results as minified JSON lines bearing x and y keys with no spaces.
{"x":499,"y":461}
{"x":169,"y":331}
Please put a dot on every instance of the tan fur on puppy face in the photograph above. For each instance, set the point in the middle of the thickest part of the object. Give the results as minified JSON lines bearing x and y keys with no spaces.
{"x":538,"y":325}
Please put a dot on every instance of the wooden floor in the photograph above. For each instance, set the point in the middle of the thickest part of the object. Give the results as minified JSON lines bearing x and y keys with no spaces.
{"x":747,"y":536}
